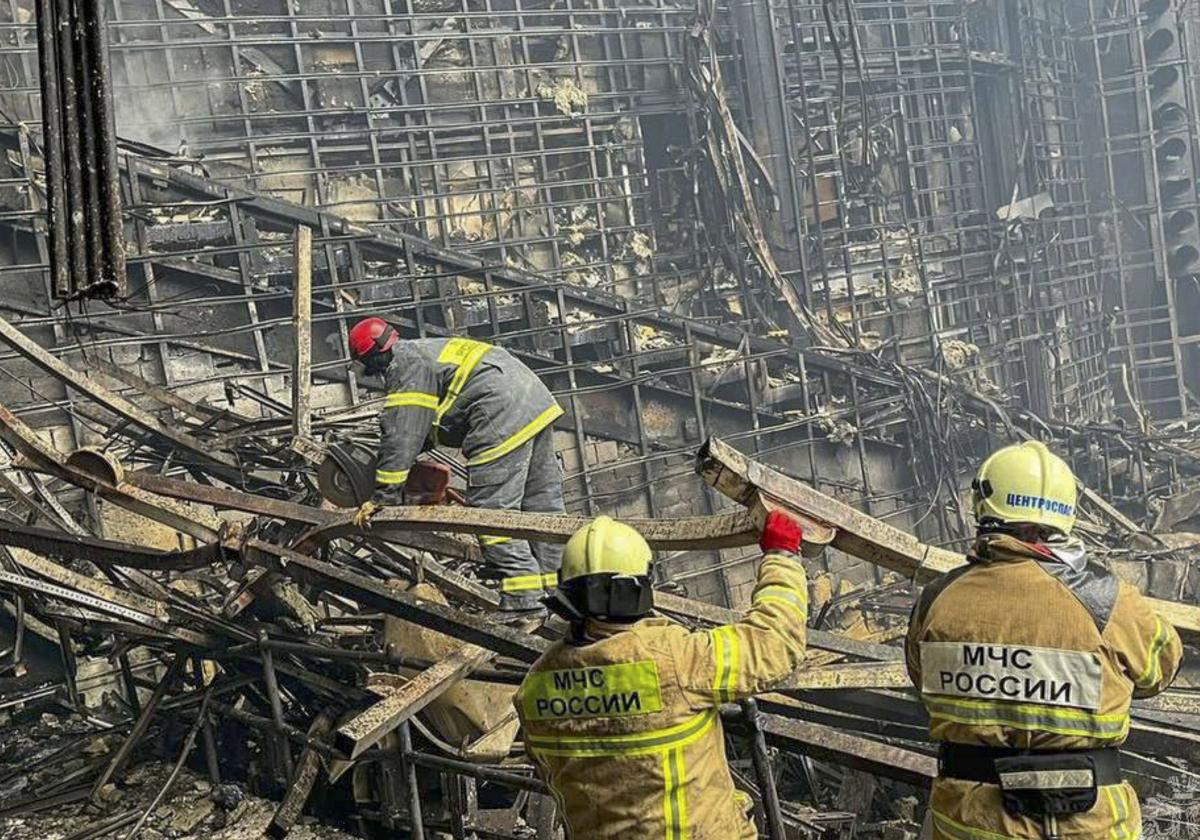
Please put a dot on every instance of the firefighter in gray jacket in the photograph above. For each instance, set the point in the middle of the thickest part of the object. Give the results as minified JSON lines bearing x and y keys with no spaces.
{"x":474,"y":396}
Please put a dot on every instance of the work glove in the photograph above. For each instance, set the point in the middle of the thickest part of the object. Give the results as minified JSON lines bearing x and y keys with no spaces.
{"x":362,"y":517}
{"x":780,"y":533}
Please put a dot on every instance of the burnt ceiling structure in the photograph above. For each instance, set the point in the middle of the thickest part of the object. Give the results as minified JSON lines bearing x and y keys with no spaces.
{"x":840,"y":249}
{"x":862,"y":238}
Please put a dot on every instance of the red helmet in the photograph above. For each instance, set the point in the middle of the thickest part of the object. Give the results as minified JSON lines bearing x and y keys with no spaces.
{"x":371,"y":335}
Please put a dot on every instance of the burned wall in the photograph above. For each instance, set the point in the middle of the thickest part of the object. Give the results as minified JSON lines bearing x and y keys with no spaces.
{"x":542,"y":175}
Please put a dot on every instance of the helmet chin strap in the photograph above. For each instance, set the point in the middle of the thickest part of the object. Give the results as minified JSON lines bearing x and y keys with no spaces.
{"x":561,"y":605}
{"x":382,"y":339}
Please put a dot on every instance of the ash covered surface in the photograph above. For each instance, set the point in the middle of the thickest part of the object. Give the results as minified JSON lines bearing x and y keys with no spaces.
{"x":41,"y":755}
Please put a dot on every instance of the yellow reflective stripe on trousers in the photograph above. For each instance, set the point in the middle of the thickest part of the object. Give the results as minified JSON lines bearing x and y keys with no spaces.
{"x":674,"y":801}
{"x":550,"y":580}
{"x":466,"y":353}
{"x":670,"y":742}
{"x":725,"y":662}
{"x":486,"y":541}
{"x":401,"y":399}
{"x":792,"y":598}
{"x":525,"y":433}
{"x":1150,"y":676}
{"x":1031,"y":717}
{"x":391,"y":476}
{"x":640,"y":743}
{"x":958,"y":831}
{"x":1119,"y":805}
{"x":521,"y":583}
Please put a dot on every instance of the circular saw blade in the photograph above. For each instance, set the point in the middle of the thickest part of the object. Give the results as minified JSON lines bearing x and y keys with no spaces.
{"x":347,"y":475}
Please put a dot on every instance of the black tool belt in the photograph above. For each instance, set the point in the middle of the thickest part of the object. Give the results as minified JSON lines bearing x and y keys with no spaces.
{"x":978,"y":764}
{"x":1036,"y":783}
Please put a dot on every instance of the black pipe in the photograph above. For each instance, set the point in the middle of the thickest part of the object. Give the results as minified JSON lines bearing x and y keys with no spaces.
{"x":104,"y":115}
{"x":477,"y":771}
{"x":69,"y":104}
{"x":89,"y":201}
{"x":776,"y":830}
{"x":272,"y":684}
{"x":83,"y":186}
{"x":409,"y":766}
{"x":52,"y":149}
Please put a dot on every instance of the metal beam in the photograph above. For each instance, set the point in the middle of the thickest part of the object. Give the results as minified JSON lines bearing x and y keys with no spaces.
{"x":859,"y":534}
{"x":64,"y":546}
{"x":377,"y":595}
{"x":706,"y":613}
{"x":302,"y":331}
{"x":722,"y":530}
{"x":117,"y":404}
{"x":827,"y":744}
{"x":42,"y":456}
{"x":862,"y":675}
{"x":369,"y":726}
{"x":307,"y":768}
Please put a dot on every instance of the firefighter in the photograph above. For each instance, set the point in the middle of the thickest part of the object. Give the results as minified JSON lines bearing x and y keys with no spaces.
{"x":474,"y":396}
{"x":1027,"y":659}
{"x":620,"y":718}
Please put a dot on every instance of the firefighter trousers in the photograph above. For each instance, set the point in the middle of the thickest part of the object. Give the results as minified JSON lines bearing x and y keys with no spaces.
{"x":529,"y":478}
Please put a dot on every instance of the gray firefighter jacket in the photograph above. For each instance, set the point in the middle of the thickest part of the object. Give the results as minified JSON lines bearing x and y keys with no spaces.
{"x":458,"y":392}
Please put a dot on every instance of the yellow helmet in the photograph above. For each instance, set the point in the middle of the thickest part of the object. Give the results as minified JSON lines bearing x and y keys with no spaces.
{"x":605,"y":546}
{"x":605,"y":573}
{"x":1025,"y":483}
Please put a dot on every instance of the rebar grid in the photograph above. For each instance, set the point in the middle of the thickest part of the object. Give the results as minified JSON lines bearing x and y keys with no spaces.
{"x":898,"y":237}
{"x":904,"y":126}
{"x":1153,"y":354}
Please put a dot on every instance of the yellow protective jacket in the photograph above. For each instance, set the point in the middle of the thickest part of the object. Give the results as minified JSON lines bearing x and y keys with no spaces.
{"x":1030,"y":647}
{"x":624,"y":726}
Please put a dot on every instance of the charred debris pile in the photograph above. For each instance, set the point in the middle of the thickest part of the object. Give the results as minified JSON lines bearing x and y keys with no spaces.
{"x":276,"y":651}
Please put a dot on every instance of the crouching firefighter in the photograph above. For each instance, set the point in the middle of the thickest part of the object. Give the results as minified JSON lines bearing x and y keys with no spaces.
{"x":620,"y":718}
{"x":1027,"y":659}
{"x":476,"y":397}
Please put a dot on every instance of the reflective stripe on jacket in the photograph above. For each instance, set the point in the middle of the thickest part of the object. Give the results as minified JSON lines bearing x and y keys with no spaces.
{"x":624,"y":728}
{"x":1029,"y":647}
{"x":468,"y":393}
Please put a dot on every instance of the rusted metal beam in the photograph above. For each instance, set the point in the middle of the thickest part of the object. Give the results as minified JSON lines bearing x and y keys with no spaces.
{"x":377,"y":595}
{"x":722,"y":530}
{"x":105,"y":478}
{"x":302,"y":333}
{"x":117,"y":404}
{"x":828,"y":744}
{"x":39,"y":507}
{"x":102,"y":552}
{"x":369,"y":726}
{"x":21,"y":582}
{"x":217,"y":418}
{"x":399,"y":524}
{"x":229,"y":499}
{"x":706,"y":613}
{"x":746,"y":481}
{"x":98,"y":589}
{"x":863,"y":675}
{"x":307,"y":769}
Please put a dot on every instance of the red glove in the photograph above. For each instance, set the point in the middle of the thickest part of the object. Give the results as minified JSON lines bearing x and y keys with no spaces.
{"x":781,"y":533}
